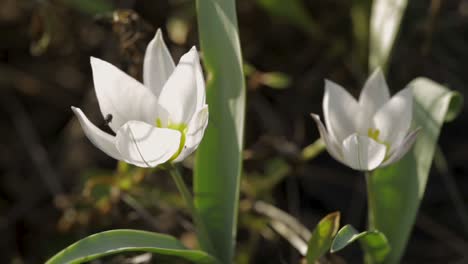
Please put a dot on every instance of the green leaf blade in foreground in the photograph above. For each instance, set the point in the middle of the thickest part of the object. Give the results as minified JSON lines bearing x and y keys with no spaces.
{"x":322,"y":236}
{"x":399,"y":188}
{"x":119,"y":241}
{"x":218,"y":162}
{"x":373,"y":242}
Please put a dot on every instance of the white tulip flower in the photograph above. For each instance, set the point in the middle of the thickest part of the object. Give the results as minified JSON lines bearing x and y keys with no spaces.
{"x":162,"y":120}
{"x":372,"y":132}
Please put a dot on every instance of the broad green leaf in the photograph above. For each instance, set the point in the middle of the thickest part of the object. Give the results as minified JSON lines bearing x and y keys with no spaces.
{"x":373,"y":242}
{"x":119,"y":241}
{"x":218,"y":162}
{"x":385,"y":22}
{"x":91,"y":6}
{"x":399,"y":188}
{"x":322,"y":236}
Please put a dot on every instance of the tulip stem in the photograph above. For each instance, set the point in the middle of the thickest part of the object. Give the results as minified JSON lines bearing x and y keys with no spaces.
{"x":370,"y":201}
{"x":201,"y":230}
{"x":368,"y":259}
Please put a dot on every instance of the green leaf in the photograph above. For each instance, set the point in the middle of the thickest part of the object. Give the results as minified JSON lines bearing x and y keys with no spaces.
{"x":218,"y":162}
{"x":397,"y":190}
{"x":373,"y":242}
{"x":276,"y":80}
{"x":360,"y":13}
{"x":385,"y":22}
{"x":286,"y":225}
{"x":294,"y":12}
{"x":118,"y":241}
{"x":322,"y":236}
{"x":313,"y":150}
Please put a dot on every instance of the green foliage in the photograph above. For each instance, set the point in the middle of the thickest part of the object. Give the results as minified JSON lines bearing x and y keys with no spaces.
{"x":260,"y":185}
{"x":218,"y":162}
{"x":118,"y":241}
{"x":293,"y":11}
{"x":386,"y":16}
{"x":276,"y":80}
{"x":360,"y":12}
{"x":313,"y":150}
{"x":322,"y":237}
{"x":373,"y":242}
{"x":399,"y":188}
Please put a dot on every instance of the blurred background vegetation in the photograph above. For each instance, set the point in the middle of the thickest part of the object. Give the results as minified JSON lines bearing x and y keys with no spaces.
{"x":55,"y":187}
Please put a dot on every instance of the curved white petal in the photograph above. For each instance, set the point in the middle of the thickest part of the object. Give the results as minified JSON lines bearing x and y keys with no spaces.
{"x":402,"y":149}
{"x":158,"y":64}
{"x":121,"y":96}
{"x":363,"y":153}
{"x":195,"y":132}
{"x":180,"y":95}
{"x":331,"y":145}
{"x":145,"y":145}
{"x":393,"y":120}
{"x":340,"y":110}
{"x":373,"y":96}
{"x":201,"y":88}
{"x":99,"y":138}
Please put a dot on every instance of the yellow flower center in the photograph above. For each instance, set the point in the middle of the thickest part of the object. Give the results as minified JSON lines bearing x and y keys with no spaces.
{"x":182,"y":128}
{"x":374,"y":134}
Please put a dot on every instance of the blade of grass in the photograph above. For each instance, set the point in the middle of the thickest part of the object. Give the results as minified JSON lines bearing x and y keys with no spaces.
{"x":442,"y":166}
{"x":280,"y":216}
{"x":294,"y":12}
{"x":360,"y":12}
{"x":386,"y":16}
{"x":218,"y":161}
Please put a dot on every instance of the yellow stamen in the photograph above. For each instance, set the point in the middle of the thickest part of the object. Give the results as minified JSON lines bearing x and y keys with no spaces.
{"x":374,"y":134}
{"x":182,"y":128}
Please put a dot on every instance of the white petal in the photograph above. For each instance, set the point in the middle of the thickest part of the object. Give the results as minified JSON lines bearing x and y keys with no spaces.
{"x":201,"y":89}
{"x":373,"y":96}
{"x":180,"y":95}
{"x":401,"y":150}
{"x":331,"y":145}
{"x":99,"y":138}
{"x":121,"y":96}
{"x":196,"y":130}
{"x":393,"y":120}
{"x":375,"y":92}
{"x":158,"y":64}
{"x":340,"y":110}
{"x":145,"y":145}
{"x":363,"y":153}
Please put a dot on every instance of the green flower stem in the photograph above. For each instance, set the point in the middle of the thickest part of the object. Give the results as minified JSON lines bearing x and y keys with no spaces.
{"x":370,"y":201}
{"x":370,"y":214}
{"x":202,"y":233}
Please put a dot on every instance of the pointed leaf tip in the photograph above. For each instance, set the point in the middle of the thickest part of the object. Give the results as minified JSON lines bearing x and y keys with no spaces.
{"x":322,"y":237}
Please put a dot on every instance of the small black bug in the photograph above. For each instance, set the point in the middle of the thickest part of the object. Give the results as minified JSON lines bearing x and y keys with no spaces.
{"x":108,"y":119}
